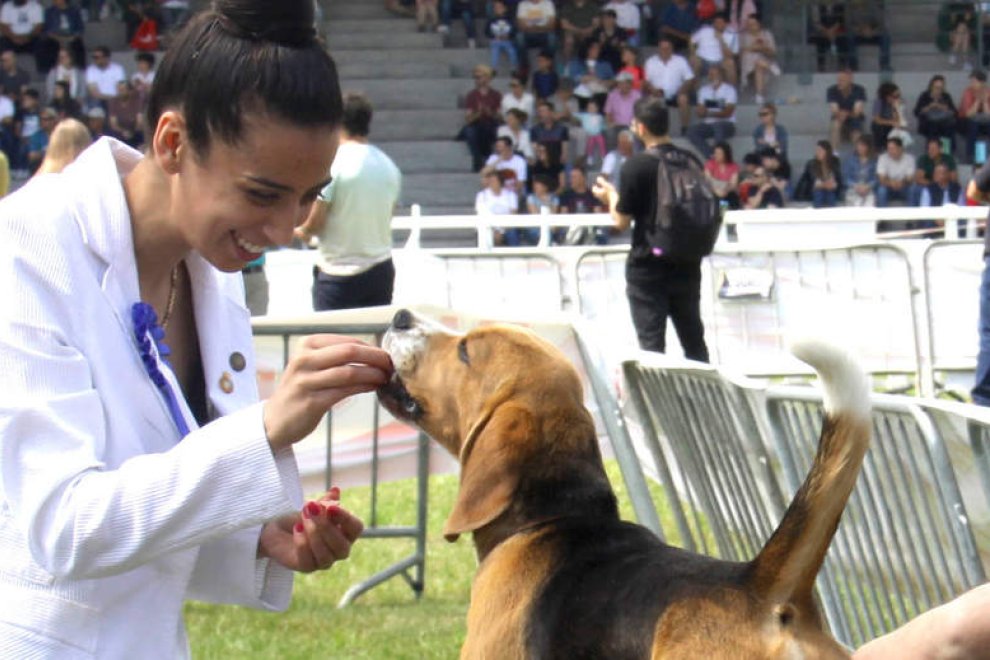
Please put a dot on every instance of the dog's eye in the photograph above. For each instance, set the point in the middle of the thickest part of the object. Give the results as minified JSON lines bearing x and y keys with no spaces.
{"x":462,"y":351}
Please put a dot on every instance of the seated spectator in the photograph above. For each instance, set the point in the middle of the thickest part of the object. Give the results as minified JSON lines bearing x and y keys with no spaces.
{"x":63,"y":30}
{"x":825,"y":173}
{"x":174,"y":13}
{"x":668,"y":75}
{"x":723,"y":175}
{"x":578,"y":198}
{"x":943,"y":189}
{"x":550,"y":133}
{"x":630,"y":65}
{"x":517,"y":97}
{"x":926,"y":167}
{"x":512,"y":167}
{"x":126,"y":114}
{"x":463,"y":9}
{"x":536,"y":27}
{"x":739,"y":10}
{"x":543,"y":200}
{"x":102,"y":77}
{"x":96,"y":122}
{"x":611,"y":38}
{"x":37,"y":142}
{"x":13,"y":79}
{"x":592,"y":76}
{"x":481,"y":116}
{"x":63,"y":103}
{"x":67,"y":72}
{"x":628,"y":18}
{"x":494,"y":199}
{"x":145,"y":73}
{"x":895,"y":174}
{"x":860,"y":172}
{"x":545,"y":79}
{"x":69,"y":139}
{"x":827,"y":31}
{"x":625,"y":145}
{"x":864,"y":22}
{"x":974,"y":112}
{"x":936,"y":114}
{"x":677,"y":23}
{"x":758,"y":58}
{"x":578,"y":21}
{"x":768,"y":133}
{"x":515,"y":129}
{"x":847,"y":105}
{"x":888,"y":115}
{"x":620,"y":104}
{"x":758,"y":192}
{"x":501,"y":33}
{"x":27,"y":122}
{"x":715,"y":44}
{"x":21,"y":24}
{"x":957,"y":25}
{"x":778,"y":170}
{"x":593,"y":124}
{"x":545,"y":166}
{"x":137,"y":12}
{"x":716,"y":110}
{"x":567,"y":110}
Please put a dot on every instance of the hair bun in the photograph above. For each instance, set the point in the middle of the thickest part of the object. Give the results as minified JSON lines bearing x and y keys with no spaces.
{"x":287,"y":22}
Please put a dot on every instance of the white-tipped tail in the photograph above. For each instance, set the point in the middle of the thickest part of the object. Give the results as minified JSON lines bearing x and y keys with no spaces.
{"x":847,"y":390}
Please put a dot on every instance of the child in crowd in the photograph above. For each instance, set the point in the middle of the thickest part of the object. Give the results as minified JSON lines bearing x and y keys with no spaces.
{"x":145,"y":74}
{"x":593,"y":124}
{"x":630,"y":65}
{"x":545,"y":79}
{"x":501,"y":31}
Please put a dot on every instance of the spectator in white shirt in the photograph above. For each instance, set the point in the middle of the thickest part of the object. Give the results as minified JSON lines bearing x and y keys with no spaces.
{"x":895,"y":173}
{"x":715,"y":44}
{"x":669,"y":76}
{"x":536,"y":27}
{"x":509,"y":164}
{"x":21,"y":23}
{"x":102,"y":77}
{"x":628,"y":19}
{"x":518,"y":97}
{"x":716,"y":108}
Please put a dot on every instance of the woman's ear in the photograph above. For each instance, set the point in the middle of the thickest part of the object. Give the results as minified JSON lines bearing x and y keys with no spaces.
{"x":169,"y":141}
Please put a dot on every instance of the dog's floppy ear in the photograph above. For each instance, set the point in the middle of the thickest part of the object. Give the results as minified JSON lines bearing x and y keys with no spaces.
{"x":490,"y":464}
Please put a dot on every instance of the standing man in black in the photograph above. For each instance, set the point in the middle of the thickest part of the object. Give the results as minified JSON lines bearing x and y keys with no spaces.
{"x":656,"y":286}
{"x":979,"y":190}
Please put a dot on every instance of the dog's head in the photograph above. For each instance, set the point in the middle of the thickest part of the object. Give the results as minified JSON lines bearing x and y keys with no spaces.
{"x":499,"y":398}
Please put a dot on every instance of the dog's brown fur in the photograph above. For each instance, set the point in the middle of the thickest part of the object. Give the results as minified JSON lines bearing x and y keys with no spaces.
{"x":560,"y":575}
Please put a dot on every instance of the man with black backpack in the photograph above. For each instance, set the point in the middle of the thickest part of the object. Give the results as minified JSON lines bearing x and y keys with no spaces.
{"x":675,"y":218}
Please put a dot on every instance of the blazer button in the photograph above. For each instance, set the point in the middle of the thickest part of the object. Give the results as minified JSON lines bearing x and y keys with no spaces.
{"x":226,"y":383}
{"x":237,"y":361}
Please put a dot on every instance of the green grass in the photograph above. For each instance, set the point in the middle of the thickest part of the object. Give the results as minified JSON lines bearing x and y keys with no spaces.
{"x":386,"y":622}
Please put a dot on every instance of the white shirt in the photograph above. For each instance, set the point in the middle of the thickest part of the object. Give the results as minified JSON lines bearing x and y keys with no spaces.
{"x":525,"y":103}
{"x":626,"y":14}
{"x":145,"y":78}
{"x":668,"y":76}
{"x":520,"y":143}
{"x":487,"y":202}
{"x":6,"y":107}
{"x":539,"y":13}
{"x":706,"y":43}
{"x":24,"y":19}
{"x":105,"y":79}
{"x":724,"y":95}
{"x":107,"y":521}
{"x":901,"y":169}
{"x":364,"y":188}
{"x":515,"y":162}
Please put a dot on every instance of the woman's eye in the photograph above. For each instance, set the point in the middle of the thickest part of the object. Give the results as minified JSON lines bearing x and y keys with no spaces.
{"x":263,"y":197}
{"x":462,"y":352}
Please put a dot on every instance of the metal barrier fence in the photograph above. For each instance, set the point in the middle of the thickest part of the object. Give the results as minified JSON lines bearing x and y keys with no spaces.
{"x":734,"y":454}
{"x":412,"y":568}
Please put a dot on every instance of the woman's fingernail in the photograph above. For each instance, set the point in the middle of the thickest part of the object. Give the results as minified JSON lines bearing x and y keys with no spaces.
{"x":312,"y":510}
{"x":298,"y":528}
{"x":335,"y":493}
{"x":332,"y":510}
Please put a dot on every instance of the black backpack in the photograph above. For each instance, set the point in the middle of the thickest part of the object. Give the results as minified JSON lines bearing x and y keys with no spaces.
{"x":688,"y":217}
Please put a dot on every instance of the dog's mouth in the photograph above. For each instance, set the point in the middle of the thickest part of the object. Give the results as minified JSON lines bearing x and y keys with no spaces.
{"x":398,"y":401}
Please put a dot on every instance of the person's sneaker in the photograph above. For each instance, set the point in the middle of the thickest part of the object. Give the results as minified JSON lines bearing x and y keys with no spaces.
{"x":443,"y":29}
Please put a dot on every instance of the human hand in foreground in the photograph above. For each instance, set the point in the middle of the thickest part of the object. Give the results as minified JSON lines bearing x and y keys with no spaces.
{"x":603,"y":190}
{"x":325,"y":370}
{"x":314,"y":539}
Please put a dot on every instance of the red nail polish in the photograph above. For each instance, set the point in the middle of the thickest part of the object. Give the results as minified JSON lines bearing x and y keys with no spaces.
{"x":334,"y":493}
{"x":332,"y":510}
{"x":298,"y":528}
{"x":313,"y":509}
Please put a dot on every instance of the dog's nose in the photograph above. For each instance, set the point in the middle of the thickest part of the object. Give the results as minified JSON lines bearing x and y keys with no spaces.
{"x":403,"y":320}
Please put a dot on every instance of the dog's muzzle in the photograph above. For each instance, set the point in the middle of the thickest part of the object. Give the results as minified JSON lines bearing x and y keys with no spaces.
{"x":404,"y":340}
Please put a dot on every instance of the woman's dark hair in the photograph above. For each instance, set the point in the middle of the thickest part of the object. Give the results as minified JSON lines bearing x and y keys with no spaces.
{"x":726,"y":149}
{"x":863,"y":139}
{"x":145,"y":56}
{"x":885,"y":90}
{"x":244,"y":56}
{"x":826,"y":145}
{"x":652,"y":113}
{"x":357,"y":114}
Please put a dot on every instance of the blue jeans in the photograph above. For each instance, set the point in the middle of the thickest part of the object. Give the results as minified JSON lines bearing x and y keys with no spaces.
{"x":885,"y":194}
{"x":466,"y":15}
{"x":823,"y":199}
{"x":498,"y":47}
{"x":717,"y":131}
{"x":521,"y":236}
{"x":981,"y":389}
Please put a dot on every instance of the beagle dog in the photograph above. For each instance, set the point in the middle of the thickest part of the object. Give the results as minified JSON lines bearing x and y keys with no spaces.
{"x":560,"y":575}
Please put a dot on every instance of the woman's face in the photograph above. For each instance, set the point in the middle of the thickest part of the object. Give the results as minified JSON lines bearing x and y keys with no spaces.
{"x":493,"y":182}
{"x":64,"y":58}
{"x":719,"y":155}
{"x":236,"y":200}
{"x":820,"y":152}
{"x":938,"y":87}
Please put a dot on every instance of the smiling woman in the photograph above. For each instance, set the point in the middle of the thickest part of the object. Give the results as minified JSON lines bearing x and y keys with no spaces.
{"x":125,"y":333}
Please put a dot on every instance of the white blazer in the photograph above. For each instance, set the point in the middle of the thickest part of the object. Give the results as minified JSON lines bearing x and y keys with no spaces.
{"x":107,"y":521}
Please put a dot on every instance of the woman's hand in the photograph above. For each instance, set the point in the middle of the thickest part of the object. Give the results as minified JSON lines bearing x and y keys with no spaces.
{"x":314,"y":539}
{"x":325,"y":370}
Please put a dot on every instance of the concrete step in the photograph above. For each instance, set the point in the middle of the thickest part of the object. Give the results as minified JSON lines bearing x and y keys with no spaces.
{"x":355,"y":9}
{"x":395,"y":125}
{"x":460,"y":60}
{"x":389,"y":24}
{"x":358,"y":69}
{"x":445,"y":190}
{"x":420,"y":94}
{"x":110,"y":33}
{"x":387,"y":40}
{"x":433,"y":156}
